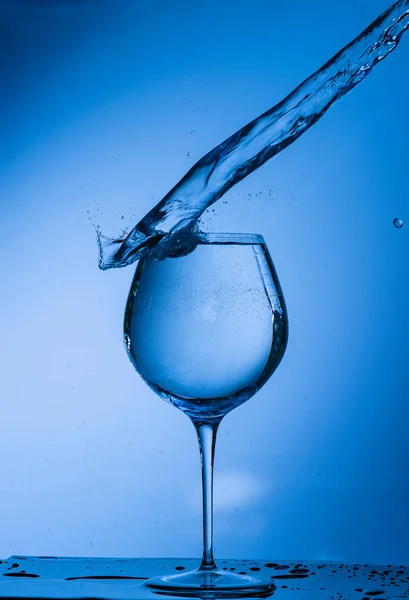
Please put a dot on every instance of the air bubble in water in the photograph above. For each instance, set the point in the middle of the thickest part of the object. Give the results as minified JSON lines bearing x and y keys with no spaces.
{"x":398,"y":223}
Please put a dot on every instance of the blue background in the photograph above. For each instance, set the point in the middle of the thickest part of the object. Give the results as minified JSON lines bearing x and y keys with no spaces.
{"x":104,"y":106}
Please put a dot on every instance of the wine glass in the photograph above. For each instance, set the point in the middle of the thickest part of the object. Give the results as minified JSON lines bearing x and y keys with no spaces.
{"x":205,"y":327}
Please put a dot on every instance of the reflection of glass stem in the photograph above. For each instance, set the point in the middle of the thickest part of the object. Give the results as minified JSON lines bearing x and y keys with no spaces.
{"x":206,"y":433}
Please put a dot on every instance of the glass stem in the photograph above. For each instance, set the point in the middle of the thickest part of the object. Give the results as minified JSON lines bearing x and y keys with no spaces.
{"x":206,"y":433}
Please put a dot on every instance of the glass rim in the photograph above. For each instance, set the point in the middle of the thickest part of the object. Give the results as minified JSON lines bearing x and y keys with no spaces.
{"x":202,"y":237}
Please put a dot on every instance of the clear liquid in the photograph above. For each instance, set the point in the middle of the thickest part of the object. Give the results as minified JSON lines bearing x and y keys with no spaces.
{"x":265,"y":137}
{"x":206,"y":329}
{"x":398,"y":223}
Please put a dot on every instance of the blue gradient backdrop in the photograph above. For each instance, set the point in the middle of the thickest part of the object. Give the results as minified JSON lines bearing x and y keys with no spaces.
{"x":104,"y":106}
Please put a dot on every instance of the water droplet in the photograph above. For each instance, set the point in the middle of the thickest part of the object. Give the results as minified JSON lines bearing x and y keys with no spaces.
{"x":104,"y":577}
{"x":299,"y":571}
{"x":290,"y":576}
{"x":398,"y":223}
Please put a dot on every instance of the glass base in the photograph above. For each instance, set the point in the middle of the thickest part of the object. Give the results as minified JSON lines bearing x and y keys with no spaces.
{"x":211,"y":584}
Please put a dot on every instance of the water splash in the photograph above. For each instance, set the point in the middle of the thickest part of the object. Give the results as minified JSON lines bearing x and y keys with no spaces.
{"x":261,"y":139}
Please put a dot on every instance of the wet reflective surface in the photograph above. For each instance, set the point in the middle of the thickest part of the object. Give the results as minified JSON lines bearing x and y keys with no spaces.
{"x":110,"y":578}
